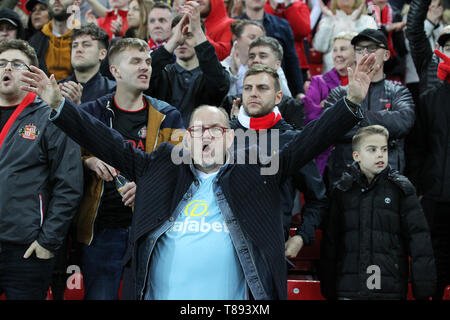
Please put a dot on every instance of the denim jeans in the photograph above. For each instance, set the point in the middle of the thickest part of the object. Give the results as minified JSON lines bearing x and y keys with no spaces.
{"x":102,"y":264}
{"x":23,"y":279}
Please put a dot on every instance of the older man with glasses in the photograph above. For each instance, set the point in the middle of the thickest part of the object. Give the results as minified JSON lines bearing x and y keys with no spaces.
{"x":206,"y":225}
{"x":40,"y":185}
{"x":387,"y":103}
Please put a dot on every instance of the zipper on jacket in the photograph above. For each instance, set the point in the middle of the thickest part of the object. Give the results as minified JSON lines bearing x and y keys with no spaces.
{"x":41,"y":207}
{"x":96,"y":213}
{"x":157,"y":135}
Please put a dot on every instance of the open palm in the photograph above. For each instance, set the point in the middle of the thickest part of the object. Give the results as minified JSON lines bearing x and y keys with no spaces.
{"x":45,"y":87}
{"x":360,"y":78}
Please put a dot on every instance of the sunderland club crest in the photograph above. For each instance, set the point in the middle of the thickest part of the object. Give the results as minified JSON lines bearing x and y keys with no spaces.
{"x":30,"y":132}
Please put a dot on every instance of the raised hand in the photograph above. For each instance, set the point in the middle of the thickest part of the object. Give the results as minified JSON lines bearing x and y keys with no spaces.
{"x":360,"y":78}
{"x":235,"y":107}
{"x":72,"y":90}
{"x":178,"y":33}
{"x":47,"y":88}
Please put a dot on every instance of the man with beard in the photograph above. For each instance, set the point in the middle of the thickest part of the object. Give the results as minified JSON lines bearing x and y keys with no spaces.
{"x":89,"y":49}
{"x":52,"y":43}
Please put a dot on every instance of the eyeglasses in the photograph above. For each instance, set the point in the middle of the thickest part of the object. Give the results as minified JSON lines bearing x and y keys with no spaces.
{"x":370,"y":48}
{"x":198,"y":132}
{"x":15,"y":64}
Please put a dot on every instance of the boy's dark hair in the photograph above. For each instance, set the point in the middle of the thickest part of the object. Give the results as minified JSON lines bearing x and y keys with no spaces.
{"x":364,"y":132}
{"x":177,"y":19}
{"x":97,"y":33}
{"x":17,"y":44}
{"x":259,"y":68}
{"x":125,"y":43}
{"x":270,"y":42}
{"x":238,"y":26}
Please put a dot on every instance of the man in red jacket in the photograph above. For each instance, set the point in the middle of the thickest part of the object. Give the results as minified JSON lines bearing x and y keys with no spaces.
{"x":217,"y":23}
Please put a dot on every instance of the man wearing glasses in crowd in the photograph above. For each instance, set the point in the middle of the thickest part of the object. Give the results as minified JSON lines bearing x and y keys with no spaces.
{"x":40,"y":185}
{"x":387,"y":103}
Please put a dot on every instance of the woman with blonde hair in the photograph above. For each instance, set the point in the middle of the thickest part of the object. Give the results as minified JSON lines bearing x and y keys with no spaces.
{"x":341,"y":16}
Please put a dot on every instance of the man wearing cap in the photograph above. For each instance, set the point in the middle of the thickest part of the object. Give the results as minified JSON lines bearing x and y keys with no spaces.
{"x":387,"y":103}
{"x":10,"y":25}
{"x":428,"y":161}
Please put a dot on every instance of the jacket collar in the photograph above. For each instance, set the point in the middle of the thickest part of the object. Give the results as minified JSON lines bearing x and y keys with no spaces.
{"x":353,"y":175}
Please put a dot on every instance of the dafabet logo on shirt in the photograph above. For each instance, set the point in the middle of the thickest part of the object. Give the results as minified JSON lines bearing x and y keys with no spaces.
{"x":196,"y":212}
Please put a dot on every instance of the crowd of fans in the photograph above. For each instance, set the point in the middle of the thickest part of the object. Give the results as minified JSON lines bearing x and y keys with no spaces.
{"x":184,"y":54}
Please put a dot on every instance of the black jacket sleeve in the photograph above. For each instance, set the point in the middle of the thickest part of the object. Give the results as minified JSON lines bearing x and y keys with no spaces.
{"x":309,"y":181}
{"x":159,"y":87}
{"x":416,"y":232}
{"x":329,"y":248}
{"x":66,"y":179}
{"x":293,"y":111}
{"x":415,"y":32}
{"x":215,"y":81}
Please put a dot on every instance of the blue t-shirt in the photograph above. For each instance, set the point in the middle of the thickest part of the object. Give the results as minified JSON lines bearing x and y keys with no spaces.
{"x":195,"y":259}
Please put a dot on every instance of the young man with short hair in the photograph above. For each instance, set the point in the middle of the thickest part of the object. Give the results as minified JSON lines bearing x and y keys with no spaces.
{"x":89,"y":48}
{"x":259,"y":113}
{"x":41,"y":181}
{"x":104,"y":216}
{"x":375,"y":223}
{"x":268,"y":51}
{"x":196,"y":77}
{"x":279,"y":28}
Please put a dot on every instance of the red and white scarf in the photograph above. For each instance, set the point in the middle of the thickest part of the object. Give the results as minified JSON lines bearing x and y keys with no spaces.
{"x":260,"y":123}
{"x":383,"y":17}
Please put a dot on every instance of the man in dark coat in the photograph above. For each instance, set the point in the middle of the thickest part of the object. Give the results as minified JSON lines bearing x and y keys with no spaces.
{"x":180,"y":189}
{"x":429,"y":167}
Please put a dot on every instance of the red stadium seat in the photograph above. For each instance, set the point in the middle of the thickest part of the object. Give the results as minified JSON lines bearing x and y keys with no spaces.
{"x":304,"y":290}
{"x":446,"y":295}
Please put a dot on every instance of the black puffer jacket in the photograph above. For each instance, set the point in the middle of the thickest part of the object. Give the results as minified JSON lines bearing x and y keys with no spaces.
{"x":379,"y":224}
{"x":425,"y":60}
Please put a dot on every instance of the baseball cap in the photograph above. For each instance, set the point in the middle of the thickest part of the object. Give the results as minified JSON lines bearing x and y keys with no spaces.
{"x":374,"y":35}
{"x":10,"y":16}
{"x":444,"y":36}
{"x":31,"y":3}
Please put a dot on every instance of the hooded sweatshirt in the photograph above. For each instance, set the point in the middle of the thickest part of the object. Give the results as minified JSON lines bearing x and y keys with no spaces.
{"x":57,"y":57}
{"x":218,"y":30}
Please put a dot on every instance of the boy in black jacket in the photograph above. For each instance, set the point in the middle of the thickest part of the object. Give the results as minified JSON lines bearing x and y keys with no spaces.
{"x":375,"y":223}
